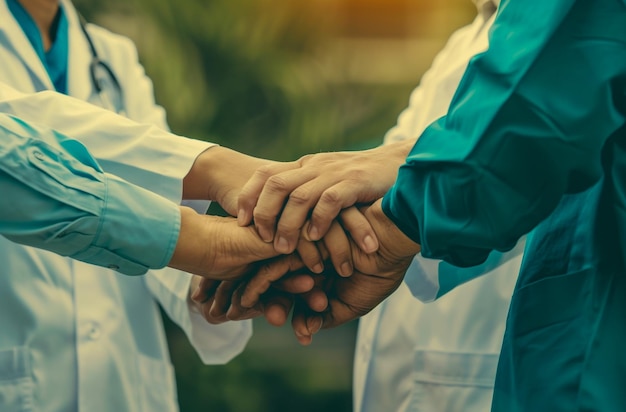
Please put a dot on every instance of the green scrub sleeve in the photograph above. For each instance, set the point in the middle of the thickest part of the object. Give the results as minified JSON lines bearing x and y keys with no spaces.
{"x":528,"y":124}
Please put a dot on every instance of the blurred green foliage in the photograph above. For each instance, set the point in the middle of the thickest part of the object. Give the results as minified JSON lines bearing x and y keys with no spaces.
{"x":251,"y":74}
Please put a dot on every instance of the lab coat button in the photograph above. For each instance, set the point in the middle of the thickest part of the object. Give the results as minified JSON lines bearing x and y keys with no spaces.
{"x":94,"y":332}
{"x":38,"y":155}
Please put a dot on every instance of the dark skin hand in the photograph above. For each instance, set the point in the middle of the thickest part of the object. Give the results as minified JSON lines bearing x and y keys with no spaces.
{"x":375,"y":277}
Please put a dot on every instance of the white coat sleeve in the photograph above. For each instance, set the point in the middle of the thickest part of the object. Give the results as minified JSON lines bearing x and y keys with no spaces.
{"x":215,"y":344}
{"x":140,"y":153}
{"x":138,"y":90}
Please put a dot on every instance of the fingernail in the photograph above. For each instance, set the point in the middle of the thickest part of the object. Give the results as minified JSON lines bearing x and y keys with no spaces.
{"x":242,"y":218}
{"x":265,"y":235}
{"x":213,"y":309}
{"x":195,"y":296}
{"x":346,"y":269}
{"x":370,"y":244}
{"x":245,"y":302}
{"x":282,"y":245}
{"x":318,"y":268}
{"x":313,"y":233}
{"x":316,"y":325}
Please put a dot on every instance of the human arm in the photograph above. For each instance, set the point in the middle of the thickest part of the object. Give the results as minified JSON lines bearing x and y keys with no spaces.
{"x":428,"y":102}
{"x":316,"y":182}
{"x":216,"y":174}
{"x":507,"y":151}
{"x":67,"y":204}
{"x":121,"y":144}
{"x":56,"y":197}
{"x":375,"y":277}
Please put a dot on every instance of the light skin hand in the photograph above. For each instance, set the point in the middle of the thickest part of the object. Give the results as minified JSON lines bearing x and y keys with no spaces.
{"x":335,"y":246}
{"x":281,"y":197}
{"x":219,"y":174}
{"x":217,"y":247}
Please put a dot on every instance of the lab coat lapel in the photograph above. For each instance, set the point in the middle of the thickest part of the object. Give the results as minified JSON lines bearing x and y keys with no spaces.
{"x":17,"y":40}
{"x":79,"y":56}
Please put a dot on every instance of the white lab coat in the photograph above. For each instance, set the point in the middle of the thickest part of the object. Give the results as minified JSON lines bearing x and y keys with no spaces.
{"x":441,"y":356}
{"x":75,"y":336}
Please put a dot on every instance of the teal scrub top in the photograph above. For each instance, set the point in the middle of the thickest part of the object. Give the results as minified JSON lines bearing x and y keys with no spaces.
{"x":535,"y":140}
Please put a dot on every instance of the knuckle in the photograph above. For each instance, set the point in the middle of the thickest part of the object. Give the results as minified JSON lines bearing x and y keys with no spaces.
{"x":304,"y":159}
{"x":276,"y":183}
{"x":300,"y":197}
{"x":289,"y":230}
{"x":214,"y":316}
{"x":265,"y":171}
{"x":330,"y":197}
{"x":263,"y":215}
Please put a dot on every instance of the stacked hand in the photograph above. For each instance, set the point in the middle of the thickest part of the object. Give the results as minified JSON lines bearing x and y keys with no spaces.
{"x":310,"y":250}
{"x":376,"y":276}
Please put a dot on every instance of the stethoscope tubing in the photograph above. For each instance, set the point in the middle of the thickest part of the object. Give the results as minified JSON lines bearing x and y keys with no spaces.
{"x":97,"y":63}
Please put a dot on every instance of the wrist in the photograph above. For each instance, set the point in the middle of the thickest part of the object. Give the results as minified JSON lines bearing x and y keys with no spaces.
{"x":189,"y":252}
{"x":393,"y":241}
{"x":199,"y":180}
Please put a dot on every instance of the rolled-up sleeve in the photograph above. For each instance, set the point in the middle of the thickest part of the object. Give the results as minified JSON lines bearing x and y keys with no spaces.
{"x":56,"y":197}
{"x":527,"y":125}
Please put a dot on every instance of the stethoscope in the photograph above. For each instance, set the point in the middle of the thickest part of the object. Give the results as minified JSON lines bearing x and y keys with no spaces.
{"x":103,"y":79}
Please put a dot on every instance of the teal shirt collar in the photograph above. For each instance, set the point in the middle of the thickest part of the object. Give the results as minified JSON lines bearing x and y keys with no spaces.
{"x":56,"y":59}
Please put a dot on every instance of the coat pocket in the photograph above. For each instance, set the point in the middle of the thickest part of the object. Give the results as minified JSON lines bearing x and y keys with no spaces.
{"x":453,"y":381}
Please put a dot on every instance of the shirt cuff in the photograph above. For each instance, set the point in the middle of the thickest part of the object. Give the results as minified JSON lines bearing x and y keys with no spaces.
{"x":138,"y":230}
{"x":214,"y":344}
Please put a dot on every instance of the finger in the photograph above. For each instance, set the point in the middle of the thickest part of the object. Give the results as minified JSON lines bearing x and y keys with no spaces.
{"x":355,"y":223}
{"x":304,"y":324}
{"x":222,"y":300}
{"x":310,"y":255}
{"x":316,"y":300}
{"x":277,"y":307}
{"x":331,"y":202}
{"x":271,"y":202}
{"x":205,"y":290}
{"x":295,"y":284}
{"x":250,"y":192}
{"x":270,"y":272}
{"x":338,"y":245}
{"x":238,"y":312}
{"x":296,"y":209}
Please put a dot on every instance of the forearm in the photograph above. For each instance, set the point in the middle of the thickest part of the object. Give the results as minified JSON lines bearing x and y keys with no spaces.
{"x":507,"y":151}
{"x":218,"y":174}
{"x":142,"y":154}
{"x":57,"y":198}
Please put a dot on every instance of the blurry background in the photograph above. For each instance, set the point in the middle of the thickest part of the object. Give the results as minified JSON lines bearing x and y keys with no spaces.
{"x":279,"y":79}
